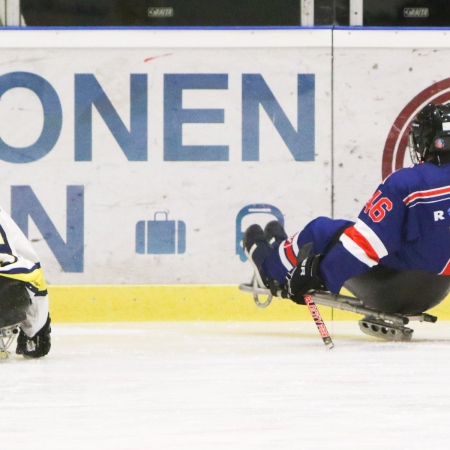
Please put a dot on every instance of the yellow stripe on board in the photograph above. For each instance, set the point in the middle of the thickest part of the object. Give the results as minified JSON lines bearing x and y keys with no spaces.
{"x":181,"y":303}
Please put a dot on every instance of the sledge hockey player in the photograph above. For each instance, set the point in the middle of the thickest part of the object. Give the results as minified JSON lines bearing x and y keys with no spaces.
{"x":23,"y":293}
{"x":404,"y":226}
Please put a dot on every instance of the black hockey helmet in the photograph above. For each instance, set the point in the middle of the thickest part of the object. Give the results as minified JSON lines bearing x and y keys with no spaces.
{"x":429,"y":139}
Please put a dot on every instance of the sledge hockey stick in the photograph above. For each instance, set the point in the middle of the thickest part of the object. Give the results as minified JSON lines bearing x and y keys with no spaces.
{"x":302,"y":254}
{"x":318,"y":321}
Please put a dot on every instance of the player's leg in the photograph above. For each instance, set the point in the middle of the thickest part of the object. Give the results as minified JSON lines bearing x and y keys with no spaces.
{"x":318,"y":236}
{"x":273,"y":254}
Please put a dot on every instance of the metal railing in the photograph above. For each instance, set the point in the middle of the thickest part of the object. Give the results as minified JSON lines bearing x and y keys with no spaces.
{"x":356,"y":13}
{"x":10,"y":15}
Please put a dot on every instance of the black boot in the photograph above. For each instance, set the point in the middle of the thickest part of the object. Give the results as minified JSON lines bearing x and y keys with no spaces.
{"x":257,"y":248}
{"x":274,"y":232}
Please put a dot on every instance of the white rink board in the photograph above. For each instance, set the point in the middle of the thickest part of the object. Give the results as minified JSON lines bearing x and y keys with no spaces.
{"x":377,"y":80}
{"x":377,"y":74}
{"x":205,"y":196}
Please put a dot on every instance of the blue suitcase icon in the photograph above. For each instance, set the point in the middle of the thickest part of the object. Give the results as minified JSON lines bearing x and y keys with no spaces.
{"x":160,"y":236}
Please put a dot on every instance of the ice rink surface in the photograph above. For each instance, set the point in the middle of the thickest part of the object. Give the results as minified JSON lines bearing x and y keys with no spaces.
{"x":225,"y":385}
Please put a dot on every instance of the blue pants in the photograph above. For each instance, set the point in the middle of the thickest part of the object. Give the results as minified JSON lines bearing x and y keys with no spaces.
{"x":283,"y":256}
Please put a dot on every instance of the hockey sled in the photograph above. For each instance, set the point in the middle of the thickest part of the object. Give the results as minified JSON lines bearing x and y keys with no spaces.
{"x":388,"y":299}
{"x":14,"y":302}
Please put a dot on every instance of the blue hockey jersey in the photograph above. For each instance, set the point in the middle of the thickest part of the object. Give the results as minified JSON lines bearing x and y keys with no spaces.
{"x":405,"y":225}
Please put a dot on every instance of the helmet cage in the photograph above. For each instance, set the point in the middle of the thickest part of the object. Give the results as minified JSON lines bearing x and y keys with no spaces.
{"x":429,"y":137}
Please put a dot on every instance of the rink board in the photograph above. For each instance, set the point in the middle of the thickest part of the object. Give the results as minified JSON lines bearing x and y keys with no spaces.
{"x":161,"y":145}
{"x":181,"y":303}
{"x":186,"y":137}
{"x":165,"y":144}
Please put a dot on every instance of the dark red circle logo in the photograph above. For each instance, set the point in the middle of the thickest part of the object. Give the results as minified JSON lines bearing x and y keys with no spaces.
{"x":397,"y":140}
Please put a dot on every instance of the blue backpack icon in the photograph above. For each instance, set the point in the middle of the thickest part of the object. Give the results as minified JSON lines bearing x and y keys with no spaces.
{"x":255,"y":208}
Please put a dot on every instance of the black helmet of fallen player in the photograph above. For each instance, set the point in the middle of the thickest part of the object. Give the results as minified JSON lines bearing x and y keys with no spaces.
{"x":429,"y":139}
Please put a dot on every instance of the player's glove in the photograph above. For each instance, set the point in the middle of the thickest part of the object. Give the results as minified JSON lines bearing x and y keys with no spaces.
{"x":37,"y":346}
{"x":304,"y":278}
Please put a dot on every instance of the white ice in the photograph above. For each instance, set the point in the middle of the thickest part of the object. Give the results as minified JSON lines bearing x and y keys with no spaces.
{"x":224,"y":385}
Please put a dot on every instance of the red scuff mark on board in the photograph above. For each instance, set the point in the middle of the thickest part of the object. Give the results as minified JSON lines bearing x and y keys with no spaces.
{"x":157,"y":56}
